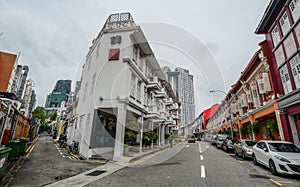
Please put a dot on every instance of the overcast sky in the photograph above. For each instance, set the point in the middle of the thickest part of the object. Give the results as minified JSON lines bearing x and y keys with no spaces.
{"x":213,"y":39}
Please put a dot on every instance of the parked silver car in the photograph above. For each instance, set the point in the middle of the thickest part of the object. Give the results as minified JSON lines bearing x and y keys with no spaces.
{"x":279,"y":156}
{"x":244,"y":147}
{"x":220,"y":140}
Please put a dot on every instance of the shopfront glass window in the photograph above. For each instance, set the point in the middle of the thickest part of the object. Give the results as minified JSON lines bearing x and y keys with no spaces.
{"x":295,"y":66}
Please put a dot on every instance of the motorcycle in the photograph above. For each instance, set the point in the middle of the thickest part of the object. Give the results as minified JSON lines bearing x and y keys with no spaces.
{"x":75,"y":147}
{"x":63,"y":141}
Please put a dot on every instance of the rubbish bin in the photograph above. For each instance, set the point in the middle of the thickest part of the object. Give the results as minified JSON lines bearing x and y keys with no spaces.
{"x":4,"y":152}
{"x":23,"y":145}
{"x":15,"y":146}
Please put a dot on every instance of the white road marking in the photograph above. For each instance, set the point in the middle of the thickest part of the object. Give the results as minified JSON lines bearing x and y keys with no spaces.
{"x":187,"y":146}
{"x":207,"y":146}
{"x":201,"y":157}
{"x":202,"y":171}
{"x":200,"y":151}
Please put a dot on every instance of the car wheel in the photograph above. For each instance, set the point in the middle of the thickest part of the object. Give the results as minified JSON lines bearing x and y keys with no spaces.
{"x":254,"y":160}
{"x":243,"y":155}
{"x":272,"y":167}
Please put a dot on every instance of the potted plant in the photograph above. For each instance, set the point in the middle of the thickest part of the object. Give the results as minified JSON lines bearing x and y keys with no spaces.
{"x":255,"y":128}
{"x":273,"y":127}
{"x":244,"y":130}
{"x":127,"y":147}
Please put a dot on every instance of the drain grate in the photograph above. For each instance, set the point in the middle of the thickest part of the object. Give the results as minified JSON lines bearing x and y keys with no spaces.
{"x":96,"y":173}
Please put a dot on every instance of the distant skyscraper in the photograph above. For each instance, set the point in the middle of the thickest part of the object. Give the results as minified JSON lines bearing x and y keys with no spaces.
{"x":60,"y":93}
{"x":183,"y":85}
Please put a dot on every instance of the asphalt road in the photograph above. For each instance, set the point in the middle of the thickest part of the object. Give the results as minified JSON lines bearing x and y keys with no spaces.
{"x":194,"y":164}
{"x":46,"y":164}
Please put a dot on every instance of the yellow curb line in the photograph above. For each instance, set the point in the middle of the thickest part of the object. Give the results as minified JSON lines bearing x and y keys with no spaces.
{"x":276,"y":182}
{"x":286,"y":182}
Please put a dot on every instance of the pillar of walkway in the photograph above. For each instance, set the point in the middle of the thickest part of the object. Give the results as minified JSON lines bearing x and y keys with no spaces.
{"x":120,"y":130}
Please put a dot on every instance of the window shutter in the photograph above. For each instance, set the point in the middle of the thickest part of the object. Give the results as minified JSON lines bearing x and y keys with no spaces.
{"x":261,"y":86}
{"x":249,"y":96}
{"x":244,"y":100}
{"x":255,"y":95}
{"x":265,"y":77}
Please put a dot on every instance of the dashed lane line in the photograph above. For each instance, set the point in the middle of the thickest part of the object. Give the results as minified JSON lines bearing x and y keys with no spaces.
{"x":187,"y":146}
{"x":202,"y":171}
{"x":201,"y":157}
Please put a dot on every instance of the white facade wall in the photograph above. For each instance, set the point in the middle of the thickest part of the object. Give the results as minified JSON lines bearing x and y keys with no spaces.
{"x":106,"y":85}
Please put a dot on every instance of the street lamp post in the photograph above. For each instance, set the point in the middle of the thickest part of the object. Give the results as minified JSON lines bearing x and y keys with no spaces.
{"x":231,"y":130}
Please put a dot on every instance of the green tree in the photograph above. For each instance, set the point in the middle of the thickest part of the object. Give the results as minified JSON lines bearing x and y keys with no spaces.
{"x":39,"y":113}
{"x":244,"y":130}
{"x":53,"y":116}
{"x":272,"y":125}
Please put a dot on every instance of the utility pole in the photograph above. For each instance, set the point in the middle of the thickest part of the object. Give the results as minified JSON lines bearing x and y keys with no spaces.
{"x":228,"y":104}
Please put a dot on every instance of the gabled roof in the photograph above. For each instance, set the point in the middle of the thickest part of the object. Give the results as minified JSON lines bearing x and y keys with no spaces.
{"x":269,"y":16}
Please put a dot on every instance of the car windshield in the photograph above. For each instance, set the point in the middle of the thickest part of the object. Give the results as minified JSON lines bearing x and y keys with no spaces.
{"x":284,"y":147}
{"x":221,"y":137}
{"x":249,"y":143}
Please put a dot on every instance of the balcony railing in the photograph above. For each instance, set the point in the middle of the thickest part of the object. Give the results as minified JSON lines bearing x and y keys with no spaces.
{"x":153,"y":83}
{"x":168,"y":101}
{"x":161,"y":93}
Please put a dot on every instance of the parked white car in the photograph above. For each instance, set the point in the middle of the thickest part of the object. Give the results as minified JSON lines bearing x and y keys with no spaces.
{"x":279,"y":156}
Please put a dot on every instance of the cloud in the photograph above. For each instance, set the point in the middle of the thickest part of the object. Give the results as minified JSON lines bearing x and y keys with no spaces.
{"x":54,"y":36}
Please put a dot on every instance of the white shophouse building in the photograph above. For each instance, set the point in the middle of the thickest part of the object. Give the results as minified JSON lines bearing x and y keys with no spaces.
{"x":121,"y":83}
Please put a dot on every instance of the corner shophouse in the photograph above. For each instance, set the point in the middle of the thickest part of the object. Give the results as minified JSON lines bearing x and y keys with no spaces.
{"x":250,"y":101}
{"x":281,"y":26}
{"x":121,"y":83}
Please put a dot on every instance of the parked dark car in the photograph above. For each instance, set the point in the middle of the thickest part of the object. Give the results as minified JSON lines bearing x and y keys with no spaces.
{"x":228,"y":145}
{"x":191,"y":139}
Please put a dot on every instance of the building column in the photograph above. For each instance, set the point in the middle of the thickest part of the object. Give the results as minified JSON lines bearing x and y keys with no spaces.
{"x":141,"y":133}
{"x":120,"y":130}
{"x":281,"y":134}
{"x":152,"y":132}
{"x":162,"y":134}
{"x":159,"y":135}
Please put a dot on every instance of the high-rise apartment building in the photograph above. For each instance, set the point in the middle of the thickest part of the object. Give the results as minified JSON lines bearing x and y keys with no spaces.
{"x":183,"y":85}
{"x":60,"y":93}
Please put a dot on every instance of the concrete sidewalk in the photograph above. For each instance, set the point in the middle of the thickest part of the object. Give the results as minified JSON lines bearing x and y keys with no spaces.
{"x":111,"y":167}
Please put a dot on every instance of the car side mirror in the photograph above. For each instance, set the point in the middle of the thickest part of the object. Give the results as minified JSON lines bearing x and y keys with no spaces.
{"x":265,"y":149}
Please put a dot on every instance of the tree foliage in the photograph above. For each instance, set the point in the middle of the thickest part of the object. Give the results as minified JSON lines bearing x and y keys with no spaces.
{"x":272,"y":125}
{"x":53,"y":116}
{"x":39,"y":113}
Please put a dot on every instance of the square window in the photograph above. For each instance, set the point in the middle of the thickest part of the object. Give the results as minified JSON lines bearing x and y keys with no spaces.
{"x":114,"y":54}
